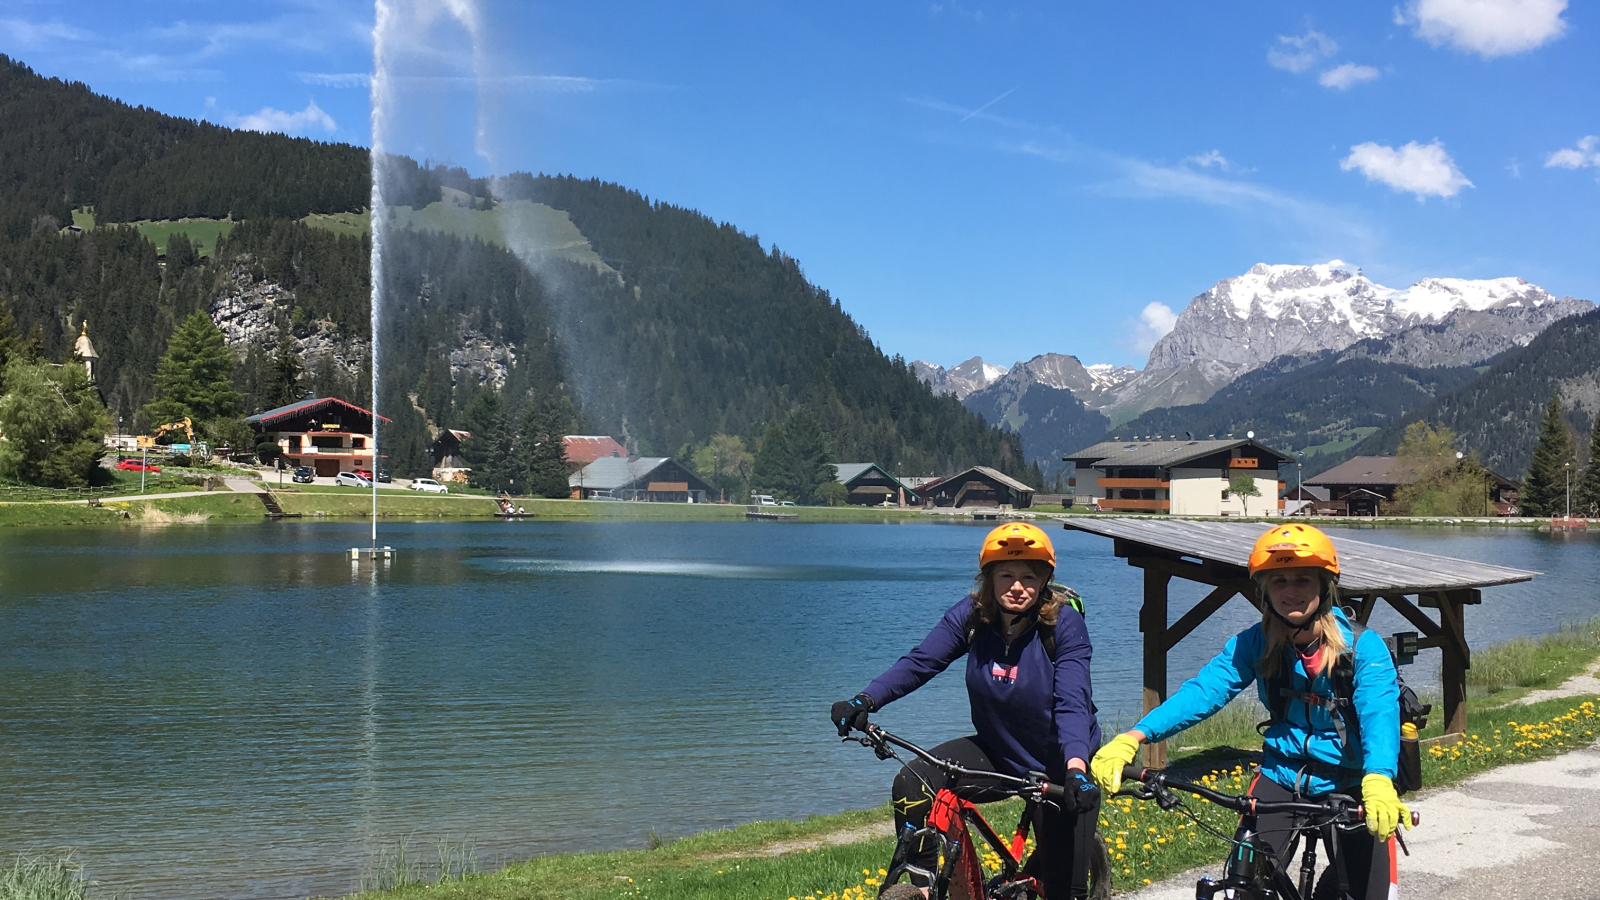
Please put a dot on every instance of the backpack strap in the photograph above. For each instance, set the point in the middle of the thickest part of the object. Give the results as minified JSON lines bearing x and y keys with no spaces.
{"x":1341,"y":706}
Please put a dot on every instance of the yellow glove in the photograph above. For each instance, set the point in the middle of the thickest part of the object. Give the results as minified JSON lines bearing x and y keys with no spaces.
{"x":1385,"y":812}
{"x":1106,"y":767}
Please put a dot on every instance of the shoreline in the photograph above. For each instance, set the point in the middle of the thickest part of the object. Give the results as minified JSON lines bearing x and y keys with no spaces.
{"x":240,"y":506}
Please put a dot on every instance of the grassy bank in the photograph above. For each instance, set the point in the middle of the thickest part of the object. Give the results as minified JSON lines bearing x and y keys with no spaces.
{"x":748,"y":862}
{"x":202,"y":506}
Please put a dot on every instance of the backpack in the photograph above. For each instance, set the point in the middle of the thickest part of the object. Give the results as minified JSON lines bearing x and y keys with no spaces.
{"x":1342,"y":707}
{"x":1047,"y":636}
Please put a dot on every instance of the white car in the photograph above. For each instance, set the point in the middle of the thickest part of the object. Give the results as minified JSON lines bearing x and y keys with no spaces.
{"x":350,"y":479}
{"x":429,"y":485}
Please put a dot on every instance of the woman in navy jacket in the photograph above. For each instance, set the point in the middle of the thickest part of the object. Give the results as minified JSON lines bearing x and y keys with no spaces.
{"x":1027,"y":679}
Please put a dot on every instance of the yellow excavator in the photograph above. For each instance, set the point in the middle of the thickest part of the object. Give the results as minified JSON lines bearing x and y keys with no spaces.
{"x":167,"y":435}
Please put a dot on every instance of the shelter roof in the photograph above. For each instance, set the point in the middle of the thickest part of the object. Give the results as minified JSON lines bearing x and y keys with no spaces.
{"x":1162,"y":453}
{"x":1366,"y":470}
{"x":1363,"y":568}
{"x":306,"y":407}
{"x":996,"y":475}
{"x":610,"y":472}
{"x":586,"y":448}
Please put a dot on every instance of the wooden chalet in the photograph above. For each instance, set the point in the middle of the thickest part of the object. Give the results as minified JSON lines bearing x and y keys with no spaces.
{"x":978,"y":486}
{"x":653,"y":479}
{"x":1366,"y":485}
{"x":870,"y":485}
{"x":328,"y":434}
{"x":448,"y":463}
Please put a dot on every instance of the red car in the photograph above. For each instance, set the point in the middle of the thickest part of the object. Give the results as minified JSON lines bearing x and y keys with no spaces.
{"x":136,"y":465}
{"x":364,"y":474}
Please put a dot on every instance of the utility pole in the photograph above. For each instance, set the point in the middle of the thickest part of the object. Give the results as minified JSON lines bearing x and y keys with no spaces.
{"x":1568,"y":469}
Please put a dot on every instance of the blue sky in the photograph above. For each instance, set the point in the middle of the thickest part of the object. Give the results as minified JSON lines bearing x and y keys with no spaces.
{"x":967,"y":178}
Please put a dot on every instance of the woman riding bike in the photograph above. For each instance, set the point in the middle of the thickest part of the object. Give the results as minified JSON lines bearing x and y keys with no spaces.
{"x":1308,"y":750}
{"x":1028,"y":683}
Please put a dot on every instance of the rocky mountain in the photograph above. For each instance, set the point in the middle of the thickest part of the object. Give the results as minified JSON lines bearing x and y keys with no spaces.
{"x":1275,"y":310}
{"x":960,"y":379}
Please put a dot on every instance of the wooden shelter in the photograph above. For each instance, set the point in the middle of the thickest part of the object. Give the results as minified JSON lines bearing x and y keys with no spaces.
{"x":1218,"y":554}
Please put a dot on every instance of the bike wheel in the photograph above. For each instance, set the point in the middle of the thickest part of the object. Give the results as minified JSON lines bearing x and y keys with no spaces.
{"x":902,"y":891}
{"x":1099,"y":869}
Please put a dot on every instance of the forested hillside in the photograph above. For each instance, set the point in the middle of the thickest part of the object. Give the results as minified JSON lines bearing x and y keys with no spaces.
{"x":63,"y":147}
{"x":1497,"y":414}
{"x":1320,"y":402}
{"x":705,"y":332}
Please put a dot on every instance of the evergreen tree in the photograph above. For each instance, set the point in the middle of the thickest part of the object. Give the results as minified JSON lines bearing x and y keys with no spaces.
{"x":287,"y":369}
{"x":1544,"y":490}
{"x":491,"y":451}
{"x":195,"y":377}
{"x":54,"y":423}
{"x":794,"y":460}
{"x":1586,"y":494}
{"x":544,"y":455}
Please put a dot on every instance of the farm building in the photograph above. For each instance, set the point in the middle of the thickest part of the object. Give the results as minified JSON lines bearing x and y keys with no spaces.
{"x":583,"y":449}
{"x":656,"y":479}
{"x":328,"y":434}
{"x":1189,"y":478}
{"x":870,"y":485}
{"x":448,"y":463}
{"x":978,"y":486}
{"x":1363,"y":485}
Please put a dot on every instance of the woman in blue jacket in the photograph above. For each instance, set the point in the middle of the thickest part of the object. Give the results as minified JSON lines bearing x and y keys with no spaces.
{"x":1027,"y":679}
{"x":1307,"y":751}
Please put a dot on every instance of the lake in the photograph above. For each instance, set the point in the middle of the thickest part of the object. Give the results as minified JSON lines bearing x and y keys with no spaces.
{"x":237,"y":711}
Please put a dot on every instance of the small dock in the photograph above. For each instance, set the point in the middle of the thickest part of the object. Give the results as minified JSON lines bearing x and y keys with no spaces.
{"x":767,"y":512}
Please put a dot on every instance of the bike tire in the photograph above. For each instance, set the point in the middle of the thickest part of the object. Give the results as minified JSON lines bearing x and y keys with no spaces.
{"x":1099,"y":869}
{"x":901,"y":891}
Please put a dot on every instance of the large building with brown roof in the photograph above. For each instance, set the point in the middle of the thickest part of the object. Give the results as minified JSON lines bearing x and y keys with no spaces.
{"x":1186,"y":478}
{"x":1364,"y":485}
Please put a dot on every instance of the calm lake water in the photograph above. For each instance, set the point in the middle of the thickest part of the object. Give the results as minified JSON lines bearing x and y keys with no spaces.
{"x":234,"y":711}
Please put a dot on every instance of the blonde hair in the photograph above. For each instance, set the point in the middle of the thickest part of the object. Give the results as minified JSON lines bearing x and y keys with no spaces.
{"x":1276,"y":631}
{"x":1049,"y":603}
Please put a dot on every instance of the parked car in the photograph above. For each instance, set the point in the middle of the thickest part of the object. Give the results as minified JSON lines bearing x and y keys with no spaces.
{"x":364,"y":473}
{"x":350,"y":479}
{"x":602,"y":495}
{"x":428,"y":485}
{"x":762,"y":500}
{"x":303,"y":475}
{"x":785,"y":502}
{"x":136,"y":465}
{"x":383,"y":477}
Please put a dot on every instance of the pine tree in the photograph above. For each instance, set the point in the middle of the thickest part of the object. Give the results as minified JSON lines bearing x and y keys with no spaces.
{"x":287,"y":369}
{"x":195,"y":377}
{"x":544,"y":457}
{"x":794,"y":460}
{"x":1586,"y":494}
{"x":1544,"y":490}
{"x":491,"y":451}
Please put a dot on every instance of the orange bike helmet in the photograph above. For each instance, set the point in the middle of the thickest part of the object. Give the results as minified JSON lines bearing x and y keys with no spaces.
{"x":1017,"y":540}
{"x":1292,"y":546}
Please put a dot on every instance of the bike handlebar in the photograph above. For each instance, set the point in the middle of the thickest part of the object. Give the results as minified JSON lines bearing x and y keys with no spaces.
{"x":1344,"y":809}
{"x":877,"y":738}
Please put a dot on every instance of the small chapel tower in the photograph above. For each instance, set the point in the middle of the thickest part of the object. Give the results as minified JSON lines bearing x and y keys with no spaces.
{"x":84,"y":350}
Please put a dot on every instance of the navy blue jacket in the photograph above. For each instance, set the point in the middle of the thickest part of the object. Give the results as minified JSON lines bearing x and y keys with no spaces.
{"x":1030,"y":714}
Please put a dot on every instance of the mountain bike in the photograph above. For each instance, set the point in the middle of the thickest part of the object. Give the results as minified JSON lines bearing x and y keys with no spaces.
{"x":952,"y":822}
{"x":1251,"y":870}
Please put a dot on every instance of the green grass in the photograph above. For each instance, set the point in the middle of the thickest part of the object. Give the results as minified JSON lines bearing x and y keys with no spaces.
{"x":47,"y":877}
{"x":205,"y":231}
{"x":1514,"y":667}
{"x":354,"y":224}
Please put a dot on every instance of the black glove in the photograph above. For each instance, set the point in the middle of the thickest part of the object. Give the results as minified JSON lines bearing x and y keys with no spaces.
{"x":1082,"y":794}
{"x":852,"y":713}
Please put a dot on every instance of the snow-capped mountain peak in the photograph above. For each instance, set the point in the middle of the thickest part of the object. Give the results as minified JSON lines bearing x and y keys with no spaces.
{"x":1276,"y":309}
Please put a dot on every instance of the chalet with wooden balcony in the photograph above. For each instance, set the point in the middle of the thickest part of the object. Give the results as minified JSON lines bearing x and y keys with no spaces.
{"x":328,"y":434}
{"x":1367,"y":485}
{"x":1186,"y":478}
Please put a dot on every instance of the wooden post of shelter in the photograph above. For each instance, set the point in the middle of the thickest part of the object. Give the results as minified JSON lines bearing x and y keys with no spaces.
{"x":1217,"y":553}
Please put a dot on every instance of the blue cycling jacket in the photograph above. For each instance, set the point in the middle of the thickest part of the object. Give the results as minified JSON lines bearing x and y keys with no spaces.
{"x":1305,"y":747}
{"x":1030,"y":714}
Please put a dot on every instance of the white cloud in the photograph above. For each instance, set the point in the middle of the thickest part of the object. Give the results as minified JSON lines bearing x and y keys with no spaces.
{"x":269,"y":119}
{"x":1422,"y":169}
{"x":1208,"y":159}
{"x":1297,"y":54}
{"x":336,"y":79}
{"x":1155,"y":321}
{"x":1345,"y":76}
{"x":1585,"y":155}
{"x":1488,"y":28}
{"x":22,"y":33}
